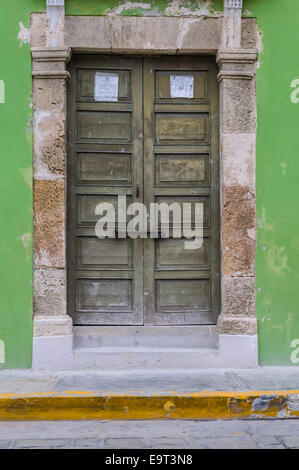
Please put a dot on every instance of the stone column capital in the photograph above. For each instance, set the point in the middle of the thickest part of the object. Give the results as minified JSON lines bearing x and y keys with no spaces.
{"x":50,"y":62}
{"x":48,"y":54}
{"x":237,"y":64}
{"x":236,"y":55}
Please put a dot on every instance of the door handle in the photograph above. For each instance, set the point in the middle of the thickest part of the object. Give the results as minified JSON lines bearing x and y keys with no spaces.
{"x":137,"y":190}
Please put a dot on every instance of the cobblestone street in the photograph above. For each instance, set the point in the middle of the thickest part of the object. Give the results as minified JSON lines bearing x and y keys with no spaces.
{"x":239,"y":434}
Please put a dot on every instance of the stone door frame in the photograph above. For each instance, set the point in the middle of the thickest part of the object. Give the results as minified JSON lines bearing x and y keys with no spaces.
{"x":54,"y":37}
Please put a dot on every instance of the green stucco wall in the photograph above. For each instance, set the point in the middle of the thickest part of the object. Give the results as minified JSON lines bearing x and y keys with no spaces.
{"x":15,"y":187}
{"x":277,"y":262}
{"x":277,"y":172}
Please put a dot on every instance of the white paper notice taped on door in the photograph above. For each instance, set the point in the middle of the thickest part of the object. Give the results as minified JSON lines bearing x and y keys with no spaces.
{"x":106,"y":87}
{"x":181,"y":86}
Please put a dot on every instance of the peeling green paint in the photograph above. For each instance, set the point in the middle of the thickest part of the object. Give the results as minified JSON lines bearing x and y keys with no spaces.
{"x":133,"y":12}
{"x":91,"y":7}
{"x":27,"y":174}
{"x":277,"y":260}
{"x":154,"y":7}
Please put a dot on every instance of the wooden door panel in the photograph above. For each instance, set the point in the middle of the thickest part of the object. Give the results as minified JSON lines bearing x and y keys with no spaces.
{"x":104,"y":126}
{"x":200,"y":84}
{"x":104,"y":168}
{"x":181,"y":128}
{"x":86,"y":84}
{"x":186,"y":199}
{"x":93,"y":252}
{"x":105,"y":295}
{"x":171,"y":254}
{"x":181,"y":170}
{"x":105,"y":276}
{"x":87,"y":203}
{"x":178,"y":295}
{"x":182,"y":286}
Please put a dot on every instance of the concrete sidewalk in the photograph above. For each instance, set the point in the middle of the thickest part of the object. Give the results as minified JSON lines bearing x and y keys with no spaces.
{"x":264,"y":392}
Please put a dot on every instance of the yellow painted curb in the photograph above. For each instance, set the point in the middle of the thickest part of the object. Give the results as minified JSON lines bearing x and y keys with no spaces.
{"x":75,"y":405}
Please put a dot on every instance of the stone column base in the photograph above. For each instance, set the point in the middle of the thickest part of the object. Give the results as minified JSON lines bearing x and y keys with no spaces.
{"x":236,"y":325}
{"x":57,"y":325}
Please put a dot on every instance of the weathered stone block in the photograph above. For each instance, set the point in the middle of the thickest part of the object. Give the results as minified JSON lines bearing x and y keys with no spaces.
{"x":238,"y":106}
{"x":86,"y":32}
{"x":238,"y":296}
{"x":38,"y":29}
{"x":49,"y":292}
{"x":202,"y":34}
{"x":49,"y":144}
{"x":144,"y":34}
{"x":49,"y":95}
{"x":238,"y":160}
{"x":232,"y":325}
{"x":49,"y":223}
{"x":238,"y":231}
{"x":249,"y":33}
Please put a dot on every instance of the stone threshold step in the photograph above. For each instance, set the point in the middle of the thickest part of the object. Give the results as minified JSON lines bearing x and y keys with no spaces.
{"x":68,"y":352}
{"x":162,"y":337}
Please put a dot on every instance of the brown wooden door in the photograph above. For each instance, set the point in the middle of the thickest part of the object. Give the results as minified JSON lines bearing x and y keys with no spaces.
{"x":105,"y":277}
{"x":181,"y":165}
{"x":153,"y":147}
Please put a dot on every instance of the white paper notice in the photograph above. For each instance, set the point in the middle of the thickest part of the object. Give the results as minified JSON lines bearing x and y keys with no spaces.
{"x":181,"y":86}
{"x":106,"y":87}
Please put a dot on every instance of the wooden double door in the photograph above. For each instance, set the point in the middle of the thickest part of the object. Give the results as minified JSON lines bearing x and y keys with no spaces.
{"x":146,"y":128}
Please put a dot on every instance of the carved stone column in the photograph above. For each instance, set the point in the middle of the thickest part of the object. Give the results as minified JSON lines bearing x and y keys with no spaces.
{"x":49,"y":97}
{"x":55,"y":22}
{"x":231,"y":36}
{"x":237,"y":137}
